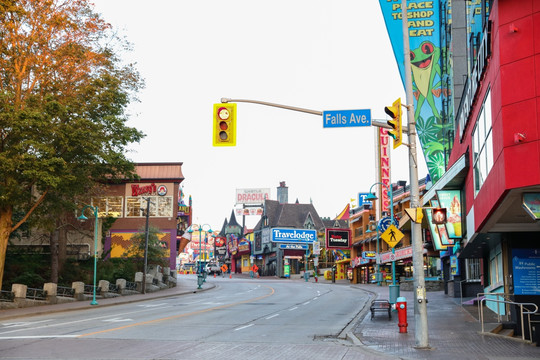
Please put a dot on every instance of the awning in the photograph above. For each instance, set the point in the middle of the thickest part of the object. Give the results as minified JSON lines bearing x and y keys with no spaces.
{"x":453,"y":178}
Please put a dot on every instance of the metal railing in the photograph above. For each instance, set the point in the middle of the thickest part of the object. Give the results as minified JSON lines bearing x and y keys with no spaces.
{"x":131,"y":285}
{"x":7,"y":296}
{"x":504,"y":296}
{"x":36,"y":294}
{"x":65,"y":291}
{"x":522,"y":306}
{"x":113,"y":288}
{"x":89,"y":289}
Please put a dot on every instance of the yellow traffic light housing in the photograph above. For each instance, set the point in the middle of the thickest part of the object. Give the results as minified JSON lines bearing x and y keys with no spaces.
{"x":394,"y":112}
{"x":224,"y":125}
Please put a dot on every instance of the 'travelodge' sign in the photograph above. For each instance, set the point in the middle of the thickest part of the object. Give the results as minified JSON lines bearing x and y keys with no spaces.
{"x":293,"y":235}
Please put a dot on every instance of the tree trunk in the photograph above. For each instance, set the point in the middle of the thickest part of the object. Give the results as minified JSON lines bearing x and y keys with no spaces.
{"x":6,"y":222}
{"x":54,"y":256}
{"x":62,"y":245}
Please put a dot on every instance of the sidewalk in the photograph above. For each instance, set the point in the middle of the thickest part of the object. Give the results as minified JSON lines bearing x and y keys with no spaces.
{"x":453,"y":333}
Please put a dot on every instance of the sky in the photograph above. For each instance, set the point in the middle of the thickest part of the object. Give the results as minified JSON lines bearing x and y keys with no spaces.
{"x":313,"y":54}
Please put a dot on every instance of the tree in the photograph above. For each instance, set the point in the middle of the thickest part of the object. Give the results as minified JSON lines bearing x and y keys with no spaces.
{"x":157,"y":250}
{"x":63,"y":100}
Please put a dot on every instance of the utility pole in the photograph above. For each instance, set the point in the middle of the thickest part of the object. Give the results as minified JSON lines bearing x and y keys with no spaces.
{"x":146,"y":245}
{"x":420,"y":302}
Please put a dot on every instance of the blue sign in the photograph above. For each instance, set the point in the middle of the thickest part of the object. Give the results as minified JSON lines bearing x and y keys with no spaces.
{"x":294,"y":246}
{"x":362,"y":199}
{"x":385,"y":222}
{"x":346,"y":118}
{"x":526,"y":269}
{"x":293,"y":235}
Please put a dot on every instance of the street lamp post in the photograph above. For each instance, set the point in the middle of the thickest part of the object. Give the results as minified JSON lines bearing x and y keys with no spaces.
{"x":200,"y":228}
{"x":394,"y":289}
{"x":146,"y":245}
{"x":84,"y":218}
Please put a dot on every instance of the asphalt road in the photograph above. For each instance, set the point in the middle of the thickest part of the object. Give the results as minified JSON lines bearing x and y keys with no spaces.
{"x":255,"y":318}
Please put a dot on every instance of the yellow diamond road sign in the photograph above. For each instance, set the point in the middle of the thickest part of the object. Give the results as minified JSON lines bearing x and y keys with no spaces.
{"x":392,"y":236}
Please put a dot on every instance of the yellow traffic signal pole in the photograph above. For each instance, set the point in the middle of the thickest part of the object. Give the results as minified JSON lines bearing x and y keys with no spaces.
{"x":420,"y":306}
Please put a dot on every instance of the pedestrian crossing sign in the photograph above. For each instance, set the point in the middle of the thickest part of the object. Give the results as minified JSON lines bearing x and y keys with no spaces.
{"x":392,"y":236}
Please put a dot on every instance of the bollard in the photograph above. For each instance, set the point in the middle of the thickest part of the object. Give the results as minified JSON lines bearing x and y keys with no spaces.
{"x":401,"y":306}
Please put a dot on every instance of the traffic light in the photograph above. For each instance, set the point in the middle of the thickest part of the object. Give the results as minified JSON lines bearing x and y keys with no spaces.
{"x":394,"y":112}
{"x":439,"y":216}
{"x":224,"y":125}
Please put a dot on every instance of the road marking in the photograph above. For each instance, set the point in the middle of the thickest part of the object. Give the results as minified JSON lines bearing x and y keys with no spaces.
{"x":294,"y":308}
{"x":37,"y":337}
{"x":243,"y":327}
{"x":117,"y":320}
{"x":23,"y":323}
{"x":152,"y":305}
{"x":272,"y":316}
{"x":272,"y":291}
{"x":307,"y":302}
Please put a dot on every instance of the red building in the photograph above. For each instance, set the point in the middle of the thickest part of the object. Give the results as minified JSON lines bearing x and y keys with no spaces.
{"x":495,"y":160}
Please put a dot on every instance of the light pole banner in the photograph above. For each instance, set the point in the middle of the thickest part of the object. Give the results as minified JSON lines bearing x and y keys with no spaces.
{"x":430,"y":85}
{"x":293,"y":235}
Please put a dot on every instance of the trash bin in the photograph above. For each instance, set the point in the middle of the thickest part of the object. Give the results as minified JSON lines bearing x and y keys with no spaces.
{"x":394,"y":294}
{"x":200,"y":279}
{"x":306,"y":275}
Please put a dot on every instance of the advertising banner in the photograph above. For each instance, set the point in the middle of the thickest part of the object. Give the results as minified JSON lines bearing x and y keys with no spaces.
{"x":252,"y":196}
{"x":437,"y":244}
{"x":338,"y":238}
{"x":430,"y":85}
{"x":249,"y":211}
{"x":451,"y":200}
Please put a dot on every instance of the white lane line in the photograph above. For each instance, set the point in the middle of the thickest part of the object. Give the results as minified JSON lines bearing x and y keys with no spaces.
{"x":243,"y":327}
{"x":294,"y":308}
{"x":272,"y":316}
{"x":37,"y":337}
{"x":23,"y":323}
{"x":307,"y":302}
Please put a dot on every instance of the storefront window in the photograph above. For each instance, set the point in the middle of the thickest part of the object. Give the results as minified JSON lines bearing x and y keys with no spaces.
{"x":472,"y":267}
{"x":160,"y":206}
{"x":109,"y":206}
{"x":483,"y":145}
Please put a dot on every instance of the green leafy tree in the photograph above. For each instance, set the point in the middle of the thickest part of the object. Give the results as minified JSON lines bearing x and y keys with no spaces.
{"x":157,"y":250}
{"x":63,"y":100}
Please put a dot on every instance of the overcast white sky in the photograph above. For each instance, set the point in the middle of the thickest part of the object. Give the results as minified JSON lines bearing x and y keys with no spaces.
{"x":314,"y":54}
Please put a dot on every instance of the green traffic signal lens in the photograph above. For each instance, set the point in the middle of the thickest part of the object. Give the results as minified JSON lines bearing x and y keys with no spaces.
{"x":223,"y":135}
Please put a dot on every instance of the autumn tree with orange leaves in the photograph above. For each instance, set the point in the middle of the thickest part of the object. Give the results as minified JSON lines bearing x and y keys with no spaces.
{"x":63,"y":108}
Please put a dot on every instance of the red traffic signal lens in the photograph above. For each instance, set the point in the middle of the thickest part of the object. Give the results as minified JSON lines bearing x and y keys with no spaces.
{"x":223,"y":125}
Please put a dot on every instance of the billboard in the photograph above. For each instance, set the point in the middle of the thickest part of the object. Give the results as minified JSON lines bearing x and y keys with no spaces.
{"x":451,"y":200}
{"x":338,"y":238}
{"x":252,"y":196}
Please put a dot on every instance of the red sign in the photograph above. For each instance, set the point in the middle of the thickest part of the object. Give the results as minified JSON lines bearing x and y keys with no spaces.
{"x":137,"y":190}
{"x":384,"y":147}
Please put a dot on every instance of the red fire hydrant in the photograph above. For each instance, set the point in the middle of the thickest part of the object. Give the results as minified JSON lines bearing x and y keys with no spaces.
{"x":401,"y":306}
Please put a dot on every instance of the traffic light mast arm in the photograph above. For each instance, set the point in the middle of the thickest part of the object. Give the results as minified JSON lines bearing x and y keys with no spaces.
{"x":378,"y":123}
{"x":294,"y":108}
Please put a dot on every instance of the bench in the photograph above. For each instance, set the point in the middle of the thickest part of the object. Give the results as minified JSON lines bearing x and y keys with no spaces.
{"x":380,"y":306}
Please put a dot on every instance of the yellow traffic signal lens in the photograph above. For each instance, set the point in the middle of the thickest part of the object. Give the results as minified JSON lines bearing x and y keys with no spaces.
{"x":223,"y":125}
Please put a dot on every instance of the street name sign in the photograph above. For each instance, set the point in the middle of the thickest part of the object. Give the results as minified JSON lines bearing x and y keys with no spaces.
{"x":294,"y":246}
{"x":346,"y":118}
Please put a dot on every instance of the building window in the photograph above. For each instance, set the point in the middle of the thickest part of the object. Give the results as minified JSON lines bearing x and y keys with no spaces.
{"x":495,"y":267}
{"x":483,"y":145}
{"x":160,"y":206}
{"x":472,"y":269}
{"x":109,"y":206}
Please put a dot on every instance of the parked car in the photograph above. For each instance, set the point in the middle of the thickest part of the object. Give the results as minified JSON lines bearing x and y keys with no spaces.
{"x":213,"y":268}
